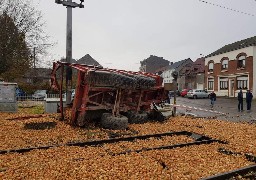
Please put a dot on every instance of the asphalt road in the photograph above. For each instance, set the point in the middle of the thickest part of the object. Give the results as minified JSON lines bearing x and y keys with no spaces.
{"x":224,"y":109}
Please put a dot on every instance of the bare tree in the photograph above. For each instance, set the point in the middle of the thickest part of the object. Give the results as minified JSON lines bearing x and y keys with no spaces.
{"x":23,"y":25}
{"x":29,"y":22}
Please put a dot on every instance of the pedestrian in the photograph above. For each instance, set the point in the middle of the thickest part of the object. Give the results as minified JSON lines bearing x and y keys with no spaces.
{"x":212,"y":98}
{"x":240,"y":101}
{"x":249,"y":97}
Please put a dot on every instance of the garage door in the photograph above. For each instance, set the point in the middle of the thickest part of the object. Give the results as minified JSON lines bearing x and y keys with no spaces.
{"x":200,"y":86}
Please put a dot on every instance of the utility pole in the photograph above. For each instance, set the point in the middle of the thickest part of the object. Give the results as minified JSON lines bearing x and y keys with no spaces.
{"x":34,"y":56}
{"x":69,"y":4}
{"x":175,"y":76}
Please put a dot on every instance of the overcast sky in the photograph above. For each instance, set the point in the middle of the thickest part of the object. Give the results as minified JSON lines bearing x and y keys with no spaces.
{"x":121,"y":33}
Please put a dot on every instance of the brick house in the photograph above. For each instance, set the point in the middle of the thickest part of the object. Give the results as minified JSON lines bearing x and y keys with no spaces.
{"x":192,"y":75}
{"x":231,"y":67}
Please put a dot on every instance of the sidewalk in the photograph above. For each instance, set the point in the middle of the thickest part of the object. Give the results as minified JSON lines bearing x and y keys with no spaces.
{"x":224,"y":109}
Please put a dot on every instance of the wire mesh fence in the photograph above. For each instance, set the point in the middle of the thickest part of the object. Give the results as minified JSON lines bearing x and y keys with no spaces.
{"x":30,"y":100}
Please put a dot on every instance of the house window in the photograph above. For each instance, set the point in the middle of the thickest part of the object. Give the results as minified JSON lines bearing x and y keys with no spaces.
{"x":241,"y":61}
{"x":224,"y":64}
{"x":223,"y":84}
{"x":211,"y":67}
{"x":29,"y":80}
{"x":210,"y":84}
{"x":242,"y":82}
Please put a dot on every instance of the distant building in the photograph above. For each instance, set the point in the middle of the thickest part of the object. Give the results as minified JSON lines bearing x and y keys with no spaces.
{"x":88,"y":60}
{"x":37,"y":75}
{"x":153,"y":63}
{"x":192,"y":75}
{"x":177,"y":66}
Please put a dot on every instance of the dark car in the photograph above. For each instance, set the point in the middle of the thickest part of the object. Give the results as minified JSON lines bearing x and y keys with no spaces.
{"x":171,"y":93}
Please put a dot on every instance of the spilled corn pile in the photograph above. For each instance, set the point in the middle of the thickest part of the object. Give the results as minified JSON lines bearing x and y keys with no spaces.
{"x":23,"y":130}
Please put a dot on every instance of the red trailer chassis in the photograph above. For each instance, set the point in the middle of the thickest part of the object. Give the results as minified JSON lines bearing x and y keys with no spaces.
{"x":102,"y":90}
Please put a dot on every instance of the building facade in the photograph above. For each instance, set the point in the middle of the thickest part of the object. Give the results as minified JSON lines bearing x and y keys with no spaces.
{"x":192,"y":75}
{"x":177,"y":66}
{"x":232,"y":68}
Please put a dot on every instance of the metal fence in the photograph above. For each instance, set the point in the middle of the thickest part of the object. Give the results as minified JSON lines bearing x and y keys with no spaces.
{"x":29,"y":100}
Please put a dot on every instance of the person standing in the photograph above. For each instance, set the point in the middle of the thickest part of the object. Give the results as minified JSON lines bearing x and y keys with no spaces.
{"x":240,"y":101}
{"x":249,"y":97}
{"x":212,"y":98}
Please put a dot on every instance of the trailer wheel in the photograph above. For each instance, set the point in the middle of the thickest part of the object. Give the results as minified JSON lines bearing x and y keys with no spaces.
{"x":90,"y":118}
{"x":134,"y":118}
{"x":109,"y":121}
{"x":81,"y":121}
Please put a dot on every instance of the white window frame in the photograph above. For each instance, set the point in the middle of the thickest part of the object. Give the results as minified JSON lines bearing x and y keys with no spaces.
{"x":241,"y":60}
{"x":224,"y":64}
{"x":223,"y":83}
{"x":210,"y":69}
{"x":242,"y":82}
{"x":210,"y":84}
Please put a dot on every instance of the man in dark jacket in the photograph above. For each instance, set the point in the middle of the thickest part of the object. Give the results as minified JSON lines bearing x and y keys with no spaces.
{"x":249,"y":97}
{"x":240,"y":101}
{"x":212,"y":98}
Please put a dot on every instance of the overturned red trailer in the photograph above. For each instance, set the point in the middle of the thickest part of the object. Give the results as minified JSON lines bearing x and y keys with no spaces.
{"x":116,"y":97}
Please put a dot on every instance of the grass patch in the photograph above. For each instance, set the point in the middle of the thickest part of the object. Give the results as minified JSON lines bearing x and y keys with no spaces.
{"x":32,"y":110}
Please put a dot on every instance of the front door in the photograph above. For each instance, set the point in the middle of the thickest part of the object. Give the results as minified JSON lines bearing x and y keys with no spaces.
{"x":231,"y":88}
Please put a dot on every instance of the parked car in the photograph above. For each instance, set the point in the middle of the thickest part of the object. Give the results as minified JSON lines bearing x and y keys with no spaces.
{"x":20,"y":94}
{"x":171,"y":93}
{"x":197,"y":93}
{"x":73,"y":92}
{"x":184,"y":92}
{"x":40,"y":94}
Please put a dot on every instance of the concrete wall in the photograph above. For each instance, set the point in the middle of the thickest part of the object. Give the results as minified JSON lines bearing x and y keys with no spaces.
{"x":8,"y":101}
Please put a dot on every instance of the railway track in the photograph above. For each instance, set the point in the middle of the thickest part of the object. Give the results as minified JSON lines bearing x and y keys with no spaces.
{"x":191,"y":139}
{"x":198,"y":139}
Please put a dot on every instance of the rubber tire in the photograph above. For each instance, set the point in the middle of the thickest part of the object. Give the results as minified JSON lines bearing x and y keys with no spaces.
{"x":108,"y":121}
{"x":194,"y":97}
{"x":89,"y":117}
{"x":134,"y":118}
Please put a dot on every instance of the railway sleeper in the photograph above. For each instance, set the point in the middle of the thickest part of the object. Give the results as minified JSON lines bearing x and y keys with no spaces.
{"x":248,"y":172}
{"x":199,"y":139}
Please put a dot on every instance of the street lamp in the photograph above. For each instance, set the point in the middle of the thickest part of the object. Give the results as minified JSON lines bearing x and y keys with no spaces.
{"x":69,"y":4}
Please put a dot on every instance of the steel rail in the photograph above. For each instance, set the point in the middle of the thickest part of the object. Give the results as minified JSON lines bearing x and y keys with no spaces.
{"x":197,"y":137}
{"x":228,"y":175}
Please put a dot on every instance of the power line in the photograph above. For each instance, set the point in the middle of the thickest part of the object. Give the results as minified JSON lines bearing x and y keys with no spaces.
{"x":249,"y":14}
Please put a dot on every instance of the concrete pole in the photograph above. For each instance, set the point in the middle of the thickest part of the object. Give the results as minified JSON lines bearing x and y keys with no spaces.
{"x":174,"y":98}
{"x":34,"y":57}
{"x":69,"y":54}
